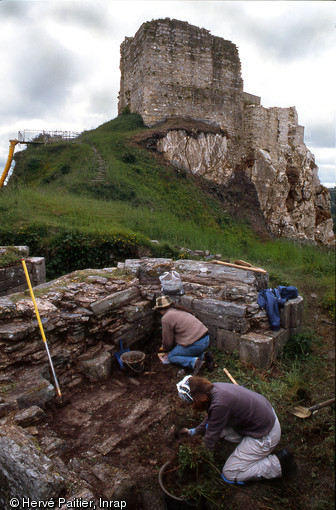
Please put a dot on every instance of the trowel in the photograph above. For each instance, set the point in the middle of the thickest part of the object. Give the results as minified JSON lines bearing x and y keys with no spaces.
{"x":119,"y":353}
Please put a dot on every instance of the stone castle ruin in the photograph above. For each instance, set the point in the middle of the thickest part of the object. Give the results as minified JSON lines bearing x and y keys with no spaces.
{"x":173,"y":70}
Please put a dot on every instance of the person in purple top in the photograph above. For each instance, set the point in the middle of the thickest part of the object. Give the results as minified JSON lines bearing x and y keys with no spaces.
{"x":241,"y":416}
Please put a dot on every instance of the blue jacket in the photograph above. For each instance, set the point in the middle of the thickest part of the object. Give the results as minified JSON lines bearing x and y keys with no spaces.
{"x":271,"y":299}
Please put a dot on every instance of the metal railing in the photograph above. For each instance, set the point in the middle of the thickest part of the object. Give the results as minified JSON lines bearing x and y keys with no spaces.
{"x":35,"y":136}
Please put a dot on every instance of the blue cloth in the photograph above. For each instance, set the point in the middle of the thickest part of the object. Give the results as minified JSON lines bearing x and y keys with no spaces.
{"x":271,"y":299}
{"x":187,"y":356}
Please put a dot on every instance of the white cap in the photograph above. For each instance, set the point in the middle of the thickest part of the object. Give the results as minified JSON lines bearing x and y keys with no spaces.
{"x":183,"y":389}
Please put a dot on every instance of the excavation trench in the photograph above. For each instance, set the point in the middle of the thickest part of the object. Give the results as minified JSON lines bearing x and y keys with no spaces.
{"x":116,"y":433}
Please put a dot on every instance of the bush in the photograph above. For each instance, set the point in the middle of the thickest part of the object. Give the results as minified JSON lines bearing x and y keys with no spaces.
{"x":299,"y":346}
{"x":329,"y":304}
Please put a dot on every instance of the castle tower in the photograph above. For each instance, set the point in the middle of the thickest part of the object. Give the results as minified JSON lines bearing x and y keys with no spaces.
{"x":171,"y":68}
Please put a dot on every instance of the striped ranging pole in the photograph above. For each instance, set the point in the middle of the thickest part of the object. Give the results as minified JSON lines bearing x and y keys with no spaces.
{"x":41,"y":328}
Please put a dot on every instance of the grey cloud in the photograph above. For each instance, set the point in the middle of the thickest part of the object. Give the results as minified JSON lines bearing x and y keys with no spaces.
{"x":43,"y":74}
{"x":302,"y":29}
{"x":320,"y":135}
{"x":296,"y":39}
{"x":11,"y":9}
{"x":83,"y":15}
{"x":103,"y":101}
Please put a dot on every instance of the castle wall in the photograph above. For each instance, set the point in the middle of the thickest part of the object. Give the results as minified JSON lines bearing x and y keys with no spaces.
{"x":272,"y":129}
{"x":172,"y":68}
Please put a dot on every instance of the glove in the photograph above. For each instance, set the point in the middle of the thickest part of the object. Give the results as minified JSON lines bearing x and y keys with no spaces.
{"x":191,"y":432}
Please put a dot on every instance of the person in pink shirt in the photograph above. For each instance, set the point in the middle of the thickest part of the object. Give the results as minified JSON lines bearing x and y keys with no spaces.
{"x":184,"y":336}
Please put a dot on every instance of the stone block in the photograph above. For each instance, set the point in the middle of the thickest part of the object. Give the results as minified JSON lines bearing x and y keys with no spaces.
{"x":237,"y":325}
{"x":296,"y":312}
{"x":38,"y":271}
{"x":25,"y":472}
{"x":285,"y":312}
{"x":133,"y":313}
{"x":15,"y":275}
{"x":116,"y":300}
{"x":36,"y":392}
{"x":280,"y":339}
{"x":295,"y":331}
{"x":227,"y":341}
{"x":217,"y":307}
{"x":2,"y":274}
{"x":98,"y":368}
{"x":30,"y":416}
{"x":187,"y":301}
{"x":256,"y":349}
{"x":16,"y":331}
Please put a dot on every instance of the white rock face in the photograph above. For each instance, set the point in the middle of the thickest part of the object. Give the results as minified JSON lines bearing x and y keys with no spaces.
{"x":277,"y":162}
{"x":205,"y":155}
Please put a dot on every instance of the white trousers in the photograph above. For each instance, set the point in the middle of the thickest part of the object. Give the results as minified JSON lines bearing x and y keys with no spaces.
{"x":252,"y":459}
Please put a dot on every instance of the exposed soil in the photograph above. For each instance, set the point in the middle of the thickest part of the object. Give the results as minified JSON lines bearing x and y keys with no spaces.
{"x":240,"y":200}
{"x":127,"y":427}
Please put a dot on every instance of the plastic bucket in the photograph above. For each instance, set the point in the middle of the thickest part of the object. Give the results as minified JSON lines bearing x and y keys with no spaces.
{"x":134,"y":360}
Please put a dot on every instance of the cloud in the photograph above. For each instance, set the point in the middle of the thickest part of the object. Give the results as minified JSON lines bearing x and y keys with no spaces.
{"x":321,"y":135}
{"x":287,"y":31}
{"x":87,"y":16}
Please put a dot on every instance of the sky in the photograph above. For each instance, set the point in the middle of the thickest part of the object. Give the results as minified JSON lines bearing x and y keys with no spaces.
{"x":59,"y":61}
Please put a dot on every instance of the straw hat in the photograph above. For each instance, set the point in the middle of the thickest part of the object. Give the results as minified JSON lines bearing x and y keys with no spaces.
{"x":162,"y":302}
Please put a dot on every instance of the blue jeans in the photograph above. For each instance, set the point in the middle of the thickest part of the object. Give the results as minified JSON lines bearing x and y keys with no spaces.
{"x":187,"y":356}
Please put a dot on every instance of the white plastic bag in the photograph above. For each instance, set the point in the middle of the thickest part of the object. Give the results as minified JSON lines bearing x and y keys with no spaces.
{"x":171,"y":284}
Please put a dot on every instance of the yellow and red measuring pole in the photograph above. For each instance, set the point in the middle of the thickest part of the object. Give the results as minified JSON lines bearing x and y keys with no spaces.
{"x":41,"y":328}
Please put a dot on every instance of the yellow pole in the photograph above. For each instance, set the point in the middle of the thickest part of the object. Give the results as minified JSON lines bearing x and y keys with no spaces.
{"x":41,"y":327}
{"x":9,"y":161}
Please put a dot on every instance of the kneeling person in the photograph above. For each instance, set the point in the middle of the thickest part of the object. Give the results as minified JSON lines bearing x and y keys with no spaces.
{"x":240,"y":416}
{"x":184,"y":336}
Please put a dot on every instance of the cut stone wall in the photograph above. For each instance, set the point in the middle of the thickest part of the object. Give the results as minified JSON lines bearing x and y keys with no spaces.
{"x":87,"y":313}
{"x":13,"y":279}
{"x":172,"y":68}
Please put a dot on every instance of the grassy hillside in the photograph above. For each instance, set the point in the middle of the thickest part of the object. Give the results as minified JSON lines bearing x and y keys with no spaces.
{"x":56,"y":204}
{"x":332,"y":192}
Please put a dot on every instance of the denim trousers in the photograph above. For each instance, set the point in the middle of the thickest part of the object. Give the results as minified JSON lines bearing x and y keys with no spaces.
{"x":187,"y":356}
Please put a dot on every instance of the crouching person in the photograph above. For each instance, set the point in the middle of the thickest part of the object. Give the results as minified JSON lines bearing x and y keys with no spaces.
{"x":184,"y":336}
{"x":240,"y":416}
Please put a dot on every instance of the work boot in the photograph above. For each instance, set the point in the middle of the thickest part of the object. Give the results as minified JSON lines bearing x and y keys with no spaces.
{"x":198,"y":366}
{"x":209,"y":361}
{"x":287,"y":462}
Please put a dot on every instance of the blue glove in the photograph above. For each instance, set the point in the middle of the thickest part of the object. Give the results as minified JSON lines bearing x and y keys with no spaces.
{"x":192,"y":432}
